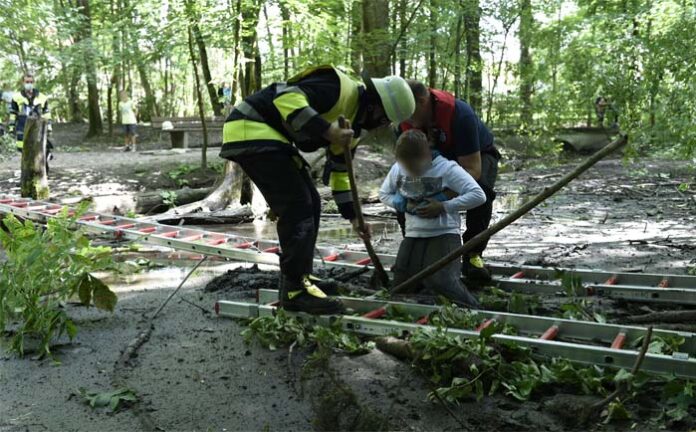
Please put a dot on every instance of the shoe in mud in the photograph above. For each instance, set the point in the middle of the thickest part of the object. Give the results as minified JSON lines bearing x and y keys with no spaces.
{"x":475,"y":271}
{"x":305,"y":296}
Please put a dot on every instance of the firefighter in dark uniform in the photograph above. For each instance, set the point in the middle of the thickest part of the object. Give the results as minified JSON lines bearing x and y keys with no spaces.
{"x":263,"y":134}
{"x":458,"y":134}
{"x":25,"y":103}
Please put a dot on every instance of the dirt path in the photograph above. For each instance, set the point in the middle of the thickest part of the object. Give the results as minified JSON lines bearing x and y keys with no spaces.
{"x":196,"y":372}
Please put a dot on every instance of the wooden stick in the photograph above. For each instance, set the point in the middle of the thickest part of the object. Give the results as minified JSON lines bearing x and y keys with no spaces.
{"x":512,"y":217}
{"x":622,"y":386}
{"x":379,"y":269}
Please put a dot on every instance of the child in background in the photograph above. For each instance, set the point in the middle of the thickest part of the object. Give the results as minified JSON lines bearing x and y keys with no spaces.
{"x":431,"y":190}
{"x":128,"y":120}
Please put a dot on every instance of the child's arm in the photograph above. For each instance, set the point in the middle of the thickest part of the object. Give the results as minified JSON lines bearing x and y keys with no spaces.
{"x":388,"y":193}
{"x":470,"y":195}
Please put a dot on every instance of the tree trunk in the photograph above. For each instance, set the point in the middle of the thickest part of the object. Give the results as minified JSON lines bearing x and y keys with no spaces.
{"x":432,"y":66}
{"x":458,"y":56}
{"x":74,"y":96}
{"x":285,"y":14}
{"x":199,"y":97}
{"x":151,"y":109}
{"x":376,"y":48}
{"x":224,"y":195}
{"x":402,"y":43}
{"x":203,"y":54}
{"x":250,"y":19}
{"x":526,"y":67}
{"x":474,"y":70}
{"x":34,"y":178}
{"x":95,"y":119}
{"x":355,"y":37}
{"x":236,"y":69}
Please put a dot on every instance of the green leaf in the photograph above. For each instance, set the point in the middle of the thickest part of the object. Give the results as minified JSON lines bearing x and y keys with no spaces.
{"x":84,"y":289}
{"x":104,"y":298}
{"x":623,"y":375}
{"x":70,"y":329}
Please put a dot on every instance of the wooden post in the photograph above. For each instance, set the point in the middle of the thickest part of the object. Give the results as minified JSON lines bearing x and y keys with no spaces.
{"x":34,"y":178}
{"x":512,"y":217}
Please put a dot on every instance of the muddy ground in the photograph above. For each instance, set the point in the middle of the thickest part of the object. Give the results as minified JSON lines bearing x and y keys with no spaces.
{"x":196,"y":373}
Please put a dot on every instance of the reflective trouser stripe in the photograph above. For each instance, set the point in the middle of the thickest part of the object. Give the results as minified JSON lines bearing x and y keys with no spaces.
{"x":339,"y":181}
{"x":249,"y":130}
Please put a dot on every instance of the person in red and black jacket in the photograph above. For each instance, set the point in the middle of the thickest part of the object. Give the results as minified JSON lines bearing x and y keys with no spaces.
{"x":457,"y":133}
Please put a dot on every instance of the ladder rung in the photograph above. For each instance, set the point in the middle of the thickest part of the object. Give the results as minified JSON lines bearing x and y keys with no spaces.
{"x":245,"y":245}
{"x":272,"y":249}
{"x":423,"y":320}
{"x":89,"y":218}
{"x":147,"y":230}
{"x":664,"y":283}
{"x":6,"y":200}
{"x":125,"y":226}
{"x":53,"y":211}
{"x":485,"y":325}
{"x":377,"y":313}
{"x":108,"y":222}
{"x":550,"y":333}
{"x":192,"y":238}
{"x":619,"y":341}
{"x":612,"y":280}
{"x":332,"y":257}
{"x":170,"y":234}
{"x":364,"y":261}
{"x":218,"y":241}
{"x":19,"y":204}
{"x":518,"y":275}
{"x":37,"y":208}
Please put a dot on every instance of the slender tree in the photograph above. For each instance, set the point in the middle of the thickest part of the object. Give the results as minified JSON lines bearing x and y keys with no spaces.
{"x":95,"y":119}
{"x":525,"y":66}
{"x":474,"y":65}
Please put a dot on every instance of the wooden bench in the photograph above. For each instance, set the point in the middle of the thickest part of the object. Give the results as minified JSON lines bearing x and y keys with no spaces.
{"x":182,"y":126}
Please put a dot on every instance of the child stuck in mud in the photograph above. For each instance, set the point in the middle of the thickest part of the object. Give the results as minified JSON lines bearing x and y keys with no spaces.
{"x":431,"y":190}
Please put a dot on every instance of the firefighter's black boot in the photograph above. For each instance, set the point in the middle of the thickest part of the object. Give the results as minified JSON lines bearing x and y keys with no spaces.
{"x":305,"y":296}
{"x":474,"y":270}
{"x":329,"y":286}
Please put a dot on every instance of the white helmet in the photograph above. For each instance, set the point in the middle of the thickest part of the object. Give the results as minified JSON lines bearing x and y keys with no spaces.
{"x":396,"y":96}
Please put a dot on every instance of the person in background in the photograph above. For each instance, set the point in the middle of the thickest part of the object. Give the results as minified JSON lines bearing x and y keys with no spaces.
{"x":225,"y":96}
{"x":128,"y":120}
{"x":431,"y":191}
{"x":602,"y":106}
{"x":28,"y":101}
{"x":455,"y":130}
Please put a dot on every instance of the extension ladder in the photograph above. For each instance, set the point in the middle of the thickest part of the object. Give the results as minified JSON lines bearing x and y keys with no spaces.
{"x":581,"y":342}
{"x":643,"y":287}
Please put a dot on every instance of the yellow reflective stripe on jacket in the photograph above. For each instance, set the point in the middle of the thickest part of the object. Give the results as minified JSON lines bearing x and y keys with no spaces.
{"x":348,"y":97}
{"x":289,"y":102}
{"x":339,"y":181}
{"x":249,"y":130}
{"x":20,"y":144}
